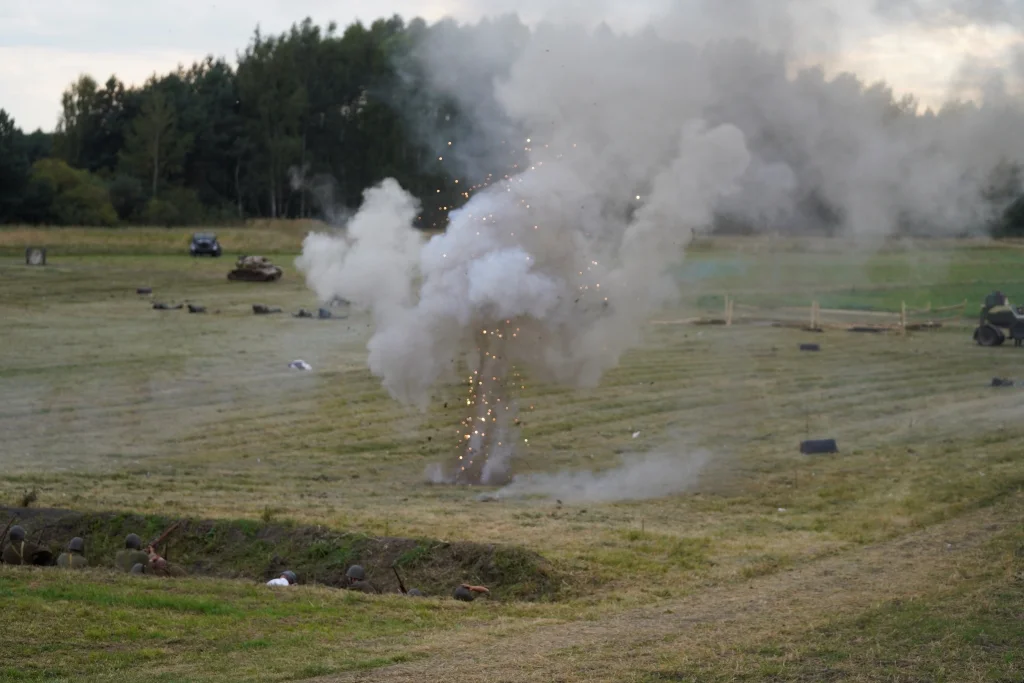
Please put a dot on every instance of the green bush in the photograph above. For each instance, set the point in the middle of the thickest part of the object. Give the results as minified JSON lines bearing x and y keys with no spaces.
{"x":175,"y":206}
{"x":79,"y":198}
{"x":128,"y":196}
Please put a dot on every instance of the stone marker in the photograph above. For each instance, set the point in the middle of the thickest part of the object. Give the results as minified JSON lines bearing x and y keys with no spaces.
{"x":35,"y":256}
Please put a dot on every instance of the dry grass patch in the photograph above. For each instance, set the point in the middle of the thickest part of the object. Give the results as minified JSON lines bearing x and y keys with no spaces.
{"x":282,"y":238}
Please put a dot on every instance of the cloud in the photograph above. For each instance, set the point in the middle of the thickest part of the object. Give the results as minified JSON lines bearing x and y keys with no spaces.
{"x":937,"y":64}
{"x":196,"y":26}
{"x":45,"y":45}
{"x":617,"y":13}
{"x":953,"y":12}
{"x":971,"y":48}
{"x":33,"y":78}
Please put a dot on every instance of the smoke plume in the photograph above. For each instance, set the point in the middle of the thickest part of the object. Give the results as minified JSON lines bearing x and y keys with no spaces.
{"x":953,"y":12}
{"x":640,"y":477}
{"x":630,"y":144}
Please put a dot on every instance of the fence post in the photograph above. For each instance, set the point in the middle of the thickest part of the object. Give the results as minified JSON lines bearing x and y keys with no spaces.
{"x":728,"y":310}
{"x":903,"y":317}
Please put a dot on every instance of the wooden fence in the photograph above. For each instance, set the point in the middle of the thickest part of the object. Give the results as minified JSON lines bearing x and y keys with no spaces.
{"x":814,"y":318}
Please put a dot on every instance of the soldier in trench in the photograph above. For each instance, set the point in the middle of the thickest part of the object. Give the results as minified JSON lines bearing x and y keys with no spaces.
{"x":20,"y":551}
{"x":74,"y":557}
{"x":131,"y":555}
{"x":355,"y":579}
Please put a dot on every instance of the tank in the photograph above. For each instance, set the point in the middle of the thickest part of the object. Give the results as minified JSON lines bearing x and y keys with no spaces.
{"x":255,"y":269}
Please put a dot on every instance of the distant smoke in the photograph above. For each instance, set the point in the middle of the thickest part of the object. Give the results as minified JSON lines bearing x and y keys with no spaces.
{"x":372,"y":264}
{"x":639,"y":477}
{"x":322,"y":190}
{"x":828,"y":155}
{"x":632,"y":143}
{"x":954,"y":12}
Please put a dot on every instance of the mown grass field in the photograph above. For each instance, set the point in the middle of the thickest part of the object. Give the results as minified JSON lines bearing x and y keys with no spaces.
{"x":897,"y":559}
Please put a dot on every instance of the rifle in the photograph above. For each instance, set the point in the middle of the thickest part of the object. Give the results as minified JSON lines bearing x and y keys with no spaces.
{"x":401,"y":586}
{"x":43,"y":556}
{"x":160,"y":539}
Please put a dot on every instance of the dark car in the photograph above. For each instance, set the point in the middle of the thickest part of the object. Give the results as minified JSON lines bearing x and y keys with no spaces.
{"x":204,"y":243}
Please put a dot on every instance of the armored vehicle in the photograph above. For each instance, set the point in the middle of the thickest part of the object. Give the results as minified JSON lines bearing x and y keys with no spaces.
{"x":999,"y":320}
{"x":255,"y":269}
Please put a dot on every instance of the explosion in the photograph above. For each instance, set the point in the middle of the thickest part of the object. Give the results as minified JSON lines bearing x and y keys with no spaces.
{"x":551,"y":272}
{"x":488,"y":435}
{"x":541,"y":275}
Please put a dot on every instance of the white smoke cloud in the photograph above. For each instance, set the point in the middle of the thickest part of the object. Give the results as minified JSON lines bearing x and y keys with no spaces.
{"x":840,"y":144}
{"x":638,"y":477}
{"x":575,"y":284}
{"x":370,"y":265}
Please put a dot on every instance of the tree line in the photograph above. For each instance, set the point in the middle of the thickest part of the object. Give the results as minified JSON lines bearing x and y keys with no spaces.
{"x":304,"y":122}
{"x":297,"y":128}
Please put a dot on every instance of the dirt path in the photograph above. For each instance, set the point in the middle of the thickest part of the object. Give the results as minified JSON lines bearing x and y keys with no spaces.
{"x":615,"y":647}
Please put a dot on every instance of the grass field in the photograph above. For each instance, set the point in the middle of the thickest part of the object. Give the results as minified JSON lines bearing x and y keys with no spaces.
{"x":899,"y":559}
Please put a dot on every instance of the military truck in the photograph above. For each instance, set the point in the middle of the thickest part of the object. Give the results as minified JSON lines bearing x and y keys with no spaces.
{"x":999,"y":320}
{"x":255,"y":269}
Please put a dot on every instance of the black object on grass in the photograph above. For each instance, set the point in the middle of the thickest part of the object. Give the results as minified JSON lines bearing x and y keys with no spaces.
{"x":818,"y":446}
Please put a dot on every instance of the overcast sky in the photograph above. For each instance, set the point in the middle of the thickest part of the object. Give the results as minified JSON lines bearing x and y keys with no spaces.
{"x":46,"y":44}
